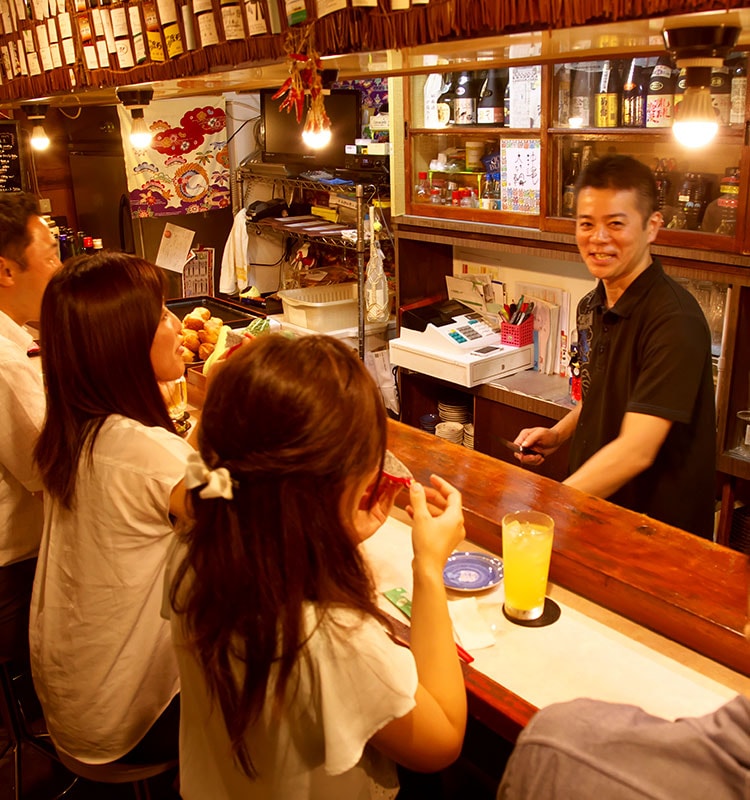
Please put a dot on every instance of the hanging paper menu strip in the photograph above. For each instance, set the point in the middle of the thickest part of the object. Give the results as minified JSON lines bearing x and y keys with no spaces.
{"x":123,"y":44}
{"x":296,"y":11}
{"x":136,"y":29}
{"x":256,"y":23}
{"x":231,"y":19}
{"x":172,"y":35}
{"x":208,"y":33}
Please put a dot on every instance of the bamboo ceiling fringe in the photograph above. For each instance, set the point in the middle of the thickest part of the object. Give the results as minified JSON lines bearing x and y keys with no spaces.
{"x":33,"y":67}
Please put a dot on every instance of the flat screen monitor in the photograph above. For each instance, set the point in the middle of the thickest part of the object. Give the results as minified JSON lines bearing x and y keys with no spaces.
{"x":282,"y":134}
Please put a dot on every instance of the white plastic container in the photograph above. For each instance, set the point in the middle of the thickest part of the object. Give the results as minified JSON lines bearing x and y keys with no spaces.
{"x":321,"y":308}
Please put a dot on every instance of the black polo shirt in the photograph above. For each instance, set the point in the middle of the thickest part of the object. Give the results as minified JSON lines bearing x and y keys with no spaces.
{"x":651,"y":354}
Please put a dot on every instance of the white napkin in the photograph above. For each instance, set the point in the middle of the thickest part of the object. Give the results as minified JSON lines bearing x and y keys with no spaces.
{"x":472,"y":631}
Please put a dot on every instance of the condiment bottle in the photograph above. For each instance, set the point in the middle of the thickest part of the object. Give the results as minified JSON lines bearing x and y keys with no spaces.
{"x":422,"y":189}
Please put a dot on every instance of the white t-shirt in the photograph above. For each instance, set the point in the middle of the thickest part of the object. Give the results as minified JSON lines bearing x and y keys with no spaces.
{"x":101,"y":655}
{"x":22,"y":404}
{"x":358,"y":681}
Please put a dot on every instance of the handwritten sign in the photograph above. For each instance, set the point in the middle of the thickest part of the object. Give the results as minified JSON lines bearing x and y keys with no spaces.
{"x":11,"y":172}
{"x":174,"y":247}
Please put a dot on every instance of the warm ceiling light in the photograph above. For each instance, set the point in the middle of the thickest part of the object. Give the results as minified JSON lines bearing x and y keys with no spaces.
{"x":39,"y":139}
{"x":136,"y":100}
{"x":36,"y":112}
{"x":316,"y":136}
{"x":698,"y":50}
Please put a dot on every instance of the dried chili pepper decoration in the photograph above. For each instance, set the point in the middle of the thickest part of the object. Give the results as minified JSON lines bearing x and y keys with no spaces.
{"x":304,"y":76}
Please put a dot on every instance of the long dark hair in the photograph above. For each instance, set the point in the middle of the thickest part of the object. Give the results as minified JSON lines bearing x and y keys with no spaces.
{"x":298,"y":423}
{"x":99,"y":317}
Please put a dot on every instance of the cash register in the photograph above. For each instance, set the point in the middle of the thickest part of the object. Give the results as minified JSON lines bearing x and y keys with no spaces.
{"x":452,"y":341}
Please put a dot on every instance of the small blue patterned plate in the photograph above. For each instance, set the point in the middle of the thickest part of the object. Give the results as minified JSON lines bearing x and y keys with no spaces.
{"x":472,"y":572}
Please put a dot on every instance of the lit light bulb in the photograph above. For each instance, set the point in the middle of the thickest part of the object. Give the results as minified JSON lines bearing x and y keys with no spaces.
{"x":696,"y":121}
{"x":39,"y":138}
{"x":140,"y":135}
{"x":316,"y":138}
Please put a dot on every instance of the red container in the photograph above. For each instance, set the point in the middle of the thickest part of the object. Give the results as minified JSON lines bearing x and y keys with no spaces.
{"x":518,"y":335}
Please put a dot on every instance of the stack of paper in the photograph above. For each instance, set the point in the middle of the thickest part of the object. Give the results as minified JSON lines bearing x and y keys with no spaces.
{"x":551,"y":325}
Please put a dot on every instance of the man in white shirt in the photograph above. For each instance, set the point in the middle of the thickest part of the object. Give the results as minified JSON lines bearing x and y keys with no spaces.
{"x":28,"y":259}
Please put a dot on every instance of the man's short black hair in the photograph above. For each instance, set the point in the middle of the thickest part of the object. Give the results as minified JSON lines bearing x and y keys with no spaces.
{"x":16,"y":209}
{"x":622,"y":173}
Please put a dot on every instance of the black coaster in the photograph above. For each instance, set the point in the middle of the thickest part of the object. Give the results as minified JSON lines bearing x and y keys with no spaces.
{"x":550,"y":614}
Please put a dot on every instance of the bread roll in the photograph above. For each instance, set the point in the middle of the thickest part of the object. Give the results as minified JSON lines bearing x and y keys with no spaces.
{"x":191,"y":340}
{"x":202,"y":312}
{"x":205,"y":350}
{"x":193,"y":322}
{"x":188,"y":356}
{"x":210,"y":332}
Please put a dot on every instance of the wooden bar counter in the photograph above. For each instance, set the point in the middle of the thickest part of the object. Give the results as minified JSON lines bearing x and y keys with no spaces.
{"x":687,"y":589}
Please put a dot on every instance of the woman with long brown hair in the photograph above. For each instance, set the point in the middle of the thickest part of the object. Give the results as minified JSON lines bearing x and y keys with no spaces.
{"x":291,"y":686}
{"x":112,"y":468}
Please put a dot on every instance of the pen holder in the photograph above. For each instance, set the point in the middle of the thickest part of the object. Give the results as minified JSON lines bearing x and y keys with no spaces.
{"x":518,"y":335}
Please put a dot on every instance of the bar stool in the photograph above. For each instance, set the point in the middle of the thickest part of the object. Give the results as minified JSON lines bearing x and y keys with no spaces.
{"x":24,"y":726}
{"x":118,"y":772}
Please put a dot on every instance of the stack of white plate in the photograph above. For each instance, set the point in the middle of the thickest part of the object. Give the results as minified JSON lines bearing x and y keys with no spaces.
{"x":453,"y":412}
{"x":469,"y":435}
{"x":450,"y":431}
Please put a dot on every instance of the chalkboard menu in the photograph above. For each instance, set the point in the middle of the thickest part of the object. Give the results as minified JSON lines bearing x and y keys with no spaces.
{"x":11,"y":172}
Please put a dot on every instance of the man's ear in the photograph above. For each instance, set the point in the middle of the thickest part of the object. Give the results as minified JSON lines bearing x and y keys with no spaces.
{"x":7,"y":272}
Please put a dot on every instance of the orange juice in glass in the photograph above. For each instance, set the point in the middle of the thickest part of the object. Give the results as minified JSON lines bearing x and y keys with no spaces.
{"x":527,"y":548}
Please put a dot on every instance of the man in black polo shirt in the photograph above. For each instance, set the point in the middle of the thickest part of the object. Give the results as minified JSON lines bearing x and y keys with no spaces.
{"x":644,"y":434}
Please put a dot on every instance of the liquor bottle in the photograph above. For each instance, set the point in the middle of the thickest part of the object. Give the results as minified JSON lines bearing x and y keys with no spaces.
{"x":569,"y":184}
{"x":562,"y":83}
{"x":466,"y":96}
{"x":721,"y":89}
{"x":679,"y":86}
{"x":729,"y":190}
{"x":445,"y":101}
{"x":691,"y":200}
{"x":633,"y":106}
{"x":491,"y":105}
{"x":607,"y":98}
{"x":581,"y":98}
{"x":738,"y":93}
{"x":660,"y":95}
{"x":433,"y":87}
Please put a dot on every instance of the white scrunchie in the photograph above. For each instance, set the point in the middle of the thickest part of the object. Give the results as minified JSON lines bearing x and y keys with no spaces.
{"x":215,"y":482}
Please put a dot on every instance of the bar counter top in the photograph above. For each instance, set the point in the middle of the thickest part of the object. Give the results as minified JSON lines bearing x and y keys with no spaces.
{"x":687,"y":589}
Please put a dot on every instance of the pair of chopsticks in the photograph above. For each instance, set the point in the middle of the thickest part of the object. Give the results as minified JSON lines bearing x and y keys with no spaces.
{"x":402,"y":601}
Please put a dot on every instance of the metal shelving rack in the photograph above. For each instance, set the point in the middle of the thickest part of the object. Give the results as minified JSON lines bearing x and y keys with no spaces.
{"x":365,"y":195}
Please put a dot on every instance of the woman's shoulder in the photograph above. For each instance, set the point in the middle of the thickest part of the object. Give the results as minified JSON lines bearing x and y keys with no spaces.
{"x":132,"y":439}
